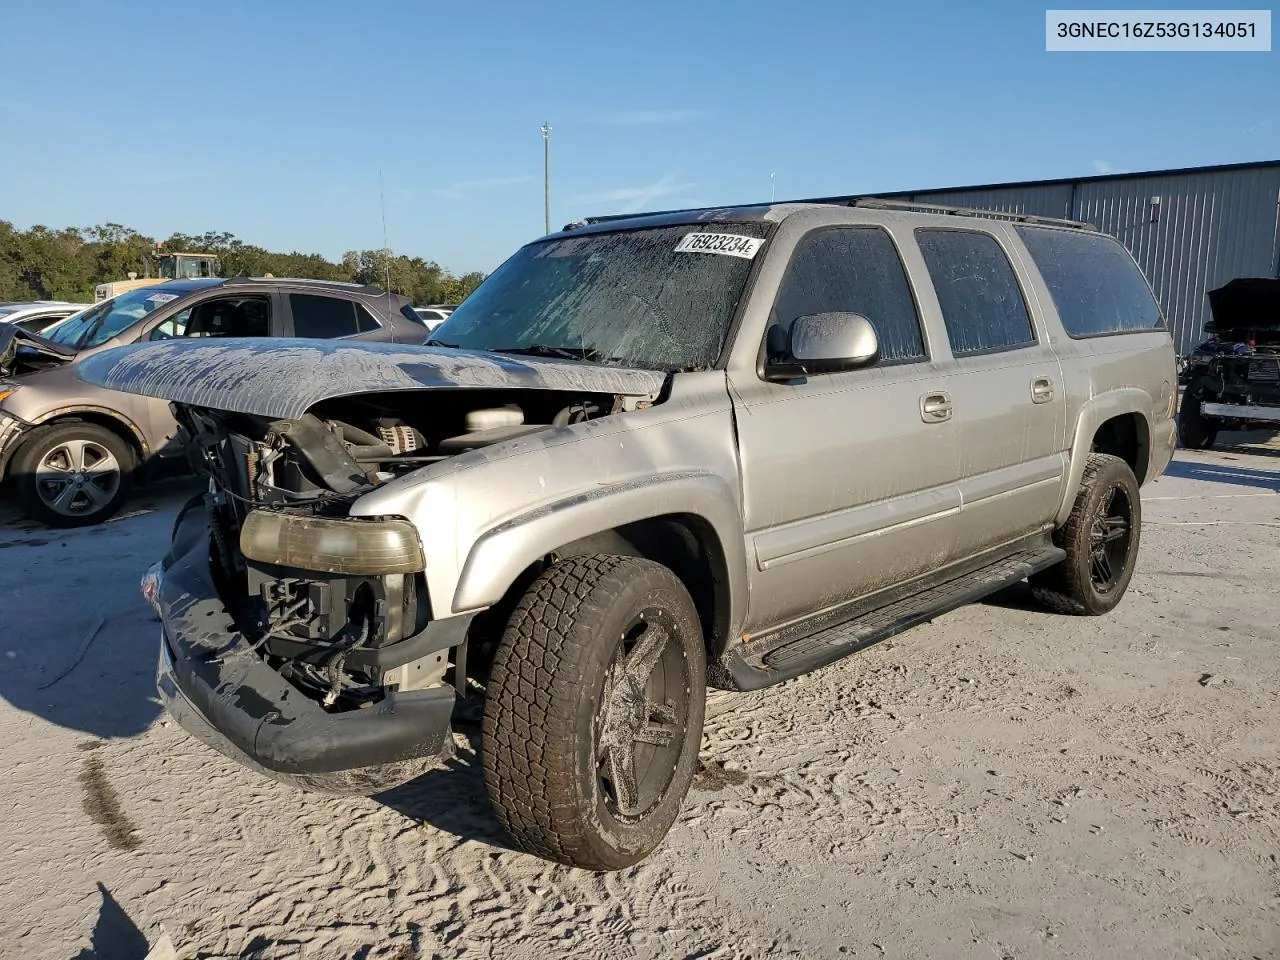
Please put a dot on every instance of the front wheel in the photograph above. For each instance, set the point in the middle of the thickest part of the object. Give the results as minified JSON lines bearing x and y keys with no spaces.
{"x":1101,"y":540}
{"x":72,"y":474}
{"x":594,"y":709}
{"x":1195,"y":430}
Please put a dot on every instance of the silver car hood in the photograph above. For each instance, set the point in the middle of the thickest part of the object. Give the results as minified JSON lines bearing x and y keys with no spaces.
{"x":283,"y":378}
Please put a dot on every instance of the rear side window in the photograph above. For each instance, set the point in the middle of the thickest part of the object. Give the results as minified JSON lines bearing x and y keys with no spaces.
{"x":411,"y":314}
{"x":849,"y":270}
{"x":365,"y":320}
{"x":981,"y":301}
{"x":324,"y":318}
{"x":1095,"y":284}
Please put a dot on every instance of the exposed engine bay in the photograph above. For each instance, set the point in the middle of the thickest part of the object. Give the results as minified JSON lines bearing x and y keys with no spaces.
{"x":1239,"y":366}
{"x":322,"y":596}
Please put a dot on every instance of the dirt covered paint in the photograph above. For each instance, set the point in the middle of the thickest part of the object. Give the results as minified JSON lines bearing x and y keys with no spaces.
{"x":283,"y":378}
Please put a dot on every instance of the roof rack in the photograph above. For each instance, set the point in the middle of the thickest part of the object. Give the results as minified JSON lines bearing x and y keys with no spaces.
{"x":876,"y":203}
{"x":310,"y":282}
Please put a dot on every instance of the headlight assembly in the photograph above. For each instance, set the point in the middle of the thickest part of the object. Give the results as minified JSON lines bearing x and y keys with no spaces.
{"x":371,"y":547}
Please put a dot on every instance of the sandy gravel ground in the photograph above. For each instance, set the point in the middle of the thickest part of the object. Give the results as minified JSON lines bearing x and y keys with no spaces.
{"x":1001,"y":783}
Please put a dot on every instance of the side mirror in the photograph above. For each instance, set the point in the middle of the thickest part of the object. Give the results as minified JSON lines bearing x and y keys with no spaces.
{"x":826,"y":343}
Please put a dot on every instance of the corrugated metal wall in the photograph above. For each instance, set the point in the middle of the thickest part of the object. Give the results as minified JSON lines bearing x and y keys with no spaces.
{"x":1208,"y":228}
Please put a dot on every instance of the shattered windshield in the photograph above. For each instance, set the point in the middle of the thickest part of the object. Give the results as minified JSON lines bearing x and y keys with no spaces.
{"x":659,"y":298}
{"x":97,"y":325}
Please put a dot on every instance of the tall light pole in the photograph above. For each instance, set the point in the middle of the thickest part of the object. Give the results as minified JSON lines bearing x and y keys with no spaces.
{"x":546,"y":173}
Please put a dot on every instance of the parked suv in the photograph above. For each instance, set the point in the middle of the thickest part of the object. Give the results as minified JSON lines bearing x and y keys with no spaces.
{"x":70,"y":451}
{"x":718,"y":447}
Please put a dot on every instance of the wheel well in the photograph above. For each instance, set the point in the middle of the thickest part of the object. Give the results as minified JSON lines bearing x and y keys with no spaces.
{"x":104,"y":420}
{"x":1127,"y":437}
{"x":115,"y":425}
{"x":684,"y":543}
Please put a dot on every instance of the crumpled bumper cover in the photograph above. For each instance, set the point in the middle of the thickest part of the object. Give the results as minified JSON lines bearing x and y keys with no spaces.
{"x":227,"y":697}
{"x":11,"y":431}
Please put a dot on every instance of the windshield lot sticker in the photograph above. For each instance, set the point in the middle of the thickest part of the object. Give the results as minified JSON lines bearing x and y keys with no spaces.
{"x":159,"y":298}
{"x":726,"y":244}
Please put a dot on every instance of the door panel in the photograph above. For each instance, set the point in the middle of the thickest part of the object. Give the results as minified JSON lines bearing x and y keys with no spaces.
{"x":848,"y":484}
{"x":1008,"y":398}
{"x":1011,"y":460}
{"x":846,"y":489}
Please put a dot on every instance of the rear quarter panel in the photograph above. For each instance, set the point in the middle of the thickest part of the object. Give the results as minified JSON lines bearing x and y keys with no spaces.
{"x":1108,"y":376}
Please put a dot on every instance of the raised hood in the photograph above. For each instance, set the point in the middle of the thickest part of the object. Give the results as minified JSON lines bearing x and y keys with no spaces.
{"x":1246,"y":303}
{"x":283,"y":378}
{"x":22,"y":351}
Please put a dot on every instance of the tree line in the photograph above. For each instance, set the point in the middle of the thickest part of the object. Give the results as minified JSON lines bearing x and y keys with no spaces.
{"x":49,"y":264}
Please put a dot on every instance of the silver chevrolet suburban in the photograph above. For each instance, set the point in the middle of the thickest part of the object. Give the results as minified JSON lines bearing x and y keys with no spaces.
{"x":720,"y":447}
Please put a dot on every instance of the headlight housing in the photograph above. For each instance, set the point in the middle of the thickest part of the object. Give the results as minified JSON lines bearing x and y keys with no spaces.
{"x":7,"y":390}
{"x":361,"y":547}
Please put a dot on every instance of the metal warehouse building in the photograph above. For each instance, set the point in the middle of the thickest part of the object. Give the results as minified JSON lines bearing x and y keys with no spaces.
{"x":1192,"y":229}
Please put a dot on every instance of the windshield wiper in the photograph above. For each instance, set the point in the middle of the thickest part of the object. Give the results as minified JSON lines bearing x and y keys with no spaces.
{"x":433,"y":342}
{"x":590,"y":354}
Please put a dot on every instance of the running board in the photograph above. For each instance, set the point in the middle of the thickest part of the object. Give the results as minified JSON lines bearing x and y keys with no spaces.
{"x":784,"y":655}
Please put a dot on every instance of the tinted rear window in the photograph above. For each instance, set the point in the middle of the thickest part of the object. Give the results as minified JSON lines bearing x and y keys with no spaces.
{"x":322,"y":317}
{"x":365,"y":320}
{"x":1095,"y":284}
{"x":981,"y":301}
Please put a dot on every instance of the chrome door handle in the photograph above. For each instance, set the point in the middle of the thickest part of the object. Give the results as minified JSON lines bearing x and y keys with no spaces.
{"x":1041,"y":390}
{"x":935,"y":407}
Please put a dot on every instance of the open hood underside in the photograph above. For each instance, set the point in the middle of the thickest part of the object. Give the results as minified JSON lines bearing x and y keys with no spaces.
{"x":1246,"y":303}
{"x":282,"y":379}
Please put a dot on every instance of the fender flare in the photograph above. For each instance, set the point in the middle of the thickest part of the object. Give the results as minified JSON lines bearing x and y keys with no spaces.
{"x":1093,"y":414}
{"x":498,"y":556}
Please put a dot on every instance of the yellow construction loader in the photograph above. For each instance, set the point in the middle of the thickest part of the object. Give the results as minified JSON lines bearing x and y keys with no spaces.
{"x":168,"y":266}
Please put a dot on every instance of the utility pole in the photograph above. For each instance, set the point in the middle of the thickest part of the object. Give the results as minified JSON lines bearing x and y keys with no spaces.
{"x":546,"y":173}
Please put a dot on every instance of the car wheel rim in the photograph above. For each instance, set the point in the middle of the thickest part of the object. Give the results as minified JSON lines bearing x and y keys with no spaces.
{"x":1109,"y":541}
{"x":641,"y":721}
{"x":77,"y":477}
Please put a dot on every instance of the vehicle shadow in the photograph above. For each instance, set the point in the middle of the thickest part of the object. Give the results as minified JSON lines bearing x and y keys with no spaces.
{"x":77,"y":641}
{"x":452,"y":797}
{"x":1223,"y":473}
{"x":1018,"y":596}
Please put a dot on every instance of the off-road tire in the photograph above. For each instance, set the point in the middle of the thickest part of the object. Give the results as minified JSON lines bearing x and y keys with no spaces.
{"x":539,"y":743}
{"x":40,"y":442}
{"x":1068,"y":587}
{"x":1195,"y":430}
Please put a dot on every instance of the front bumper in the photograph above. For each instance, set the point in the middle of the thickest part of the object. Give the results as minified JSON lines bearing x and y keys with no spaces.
{"x":226,"y":696}
{"x":1241,"y":411}
{"x":11,"y":431}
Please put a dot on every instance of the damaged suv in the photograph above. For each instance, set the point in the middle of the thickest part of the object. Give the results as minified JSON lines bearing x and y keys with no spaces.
{"x":1233,"y":378}
{"x":721,"y":447}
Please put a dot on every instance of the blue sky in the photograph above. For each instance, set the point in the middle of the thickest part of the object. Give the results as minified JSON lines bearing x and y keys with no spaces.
{"x":272,"y":119}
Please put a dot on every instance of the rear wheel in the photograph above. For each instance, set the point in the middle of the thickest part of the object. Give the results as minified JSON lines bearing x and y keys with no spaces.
{"x":73,"y":474}
{"x":1101,"y":539}
{"x":1195,"y":431}
{"x":594,"y":711}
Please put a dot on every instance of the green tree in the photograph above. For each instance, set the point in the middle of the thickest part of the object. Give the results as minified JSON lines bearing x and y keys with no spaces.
{"x":69,"y":263}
